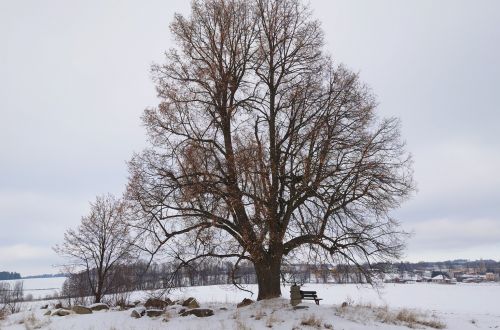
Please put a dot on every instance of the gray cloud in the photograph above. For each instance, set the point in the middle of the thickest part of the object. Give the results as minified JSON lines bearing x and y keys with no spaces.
{"x":436,"y":66}
{"x":438,"y":239}
{"x":74,"y":79}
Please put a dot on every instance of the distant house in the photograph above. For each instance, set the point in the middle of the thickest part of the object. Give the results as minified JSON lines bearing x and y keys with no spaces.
{"x":443,"y":279}
{"x":490,"y":277}
{"x":438,"y":279}
{"x":472,"y":278}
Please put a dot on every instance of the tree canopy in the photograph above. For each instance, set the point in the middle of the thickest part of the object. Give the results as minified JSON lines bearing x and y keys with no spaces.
{"x":264,"y":149}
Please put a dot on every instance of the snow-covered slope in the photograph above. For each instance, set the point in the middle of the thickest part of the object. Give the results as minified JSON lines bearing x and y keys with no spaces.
{"x":462,"y":306}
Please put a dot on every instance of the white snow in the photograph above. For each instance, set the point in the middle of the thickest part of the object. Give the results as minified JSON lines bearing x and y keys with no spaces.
{"x":461,"y":306}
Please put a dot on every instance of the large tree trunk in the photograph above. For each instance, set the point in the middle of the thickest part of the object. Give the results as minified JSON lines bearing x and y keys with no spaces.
{"x":98,"y":295}
{"x":100,"y":284}
{"x":268,"y":277}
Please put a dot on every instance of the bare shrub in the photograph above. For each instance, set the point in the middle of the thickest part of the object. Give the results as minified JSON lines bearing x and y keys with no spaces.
{"x":11,"y":298}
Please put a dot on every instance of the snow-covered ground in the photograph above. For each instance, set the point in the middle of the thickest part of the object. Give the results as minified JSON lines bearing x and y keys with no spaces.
{"x":461,"y":306}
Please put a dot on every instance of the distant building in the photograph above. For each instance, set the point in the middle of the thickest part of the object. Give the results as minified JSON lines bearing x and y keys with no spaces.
{"x":443,"y":279}
{"x":490,"y":277}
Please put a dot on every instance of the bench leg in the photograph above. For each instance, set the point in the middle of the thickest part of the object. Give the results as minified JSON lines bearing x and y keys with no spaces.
{"x":316,"y":301}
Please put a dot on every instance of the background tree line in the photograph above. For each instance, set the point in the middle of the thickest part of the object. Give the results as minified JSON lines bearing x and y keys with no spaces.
{"x":165,"y":276}
{"x":9,"y":276}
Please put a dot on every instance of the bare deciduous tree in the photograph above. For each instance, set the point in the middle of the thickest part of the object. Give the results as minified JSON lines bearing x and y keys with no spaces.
{"x":263,"y":149}
{"x":99,"y":244}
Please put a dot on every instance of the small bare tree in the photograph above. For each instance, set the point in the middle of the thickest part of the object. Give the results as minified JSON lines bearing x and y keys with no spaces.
{"x":99,"y":245}
{"x":11,"y":297}
{"x":265,"y":150}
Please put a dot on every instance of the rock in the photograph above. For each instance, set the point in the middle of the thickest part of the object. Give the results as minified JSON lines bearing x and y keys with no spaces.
{"x":245,"y":302}
{"x":344,"y":304}
{"x":223,"y":309}
{"x":154,"y":312}
{"x":191,"y":303}
{"x":60,"y":312}
{"x":136,"y":302}
{"x":141,"y":311}
{"x":81,"y":310}
{"x":47,"y":313}
{"x":182,"y":310}
{"x":157,"y":303}
{"x":58,"y":305}
{"x":99,"y":307}
{"x":135,"y":314}
{"x":44,"y":306}
{"x":199,"y":312}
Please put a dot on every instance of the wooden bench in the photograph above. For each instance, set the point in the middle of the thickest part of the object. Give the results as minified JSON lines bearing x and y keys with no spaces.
{"x":310,"y":295}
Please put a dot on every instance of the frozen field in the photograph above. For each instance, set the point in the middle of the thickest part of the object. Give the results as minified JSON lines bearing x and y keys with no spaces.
{"x":463,"y":297}
{"x":460,"y":298}
{"x":461,"y":306}
{"x":40,"y":287}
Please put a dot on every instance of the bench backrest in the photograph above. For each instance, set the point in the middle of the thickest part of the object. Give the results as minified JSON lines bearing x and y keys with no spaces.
{"x":307,"y":292}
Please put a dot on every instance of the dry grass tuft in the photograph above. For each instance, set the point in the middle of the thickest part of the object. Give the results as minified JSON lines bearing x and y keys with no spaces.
{"x":412,"y":319}
{"x":409,"y":318}
{"x":166,"y":316}
{"x":31,"y":322}
{"x":240,"y":325}
{"x":271,"y":320}
{"x":260,"y":314}
{"x":311,"y":321}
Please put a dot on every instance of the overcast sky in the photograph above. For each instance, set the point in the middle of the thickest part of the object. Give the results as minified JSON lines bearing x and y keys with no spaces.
{"x":74,"y":80}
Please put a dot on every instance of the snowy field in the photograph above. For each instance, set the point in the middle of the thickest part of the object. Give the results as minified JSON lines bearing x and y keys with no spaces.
{"x":40,"y":287}
{"x":461,"y":306}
